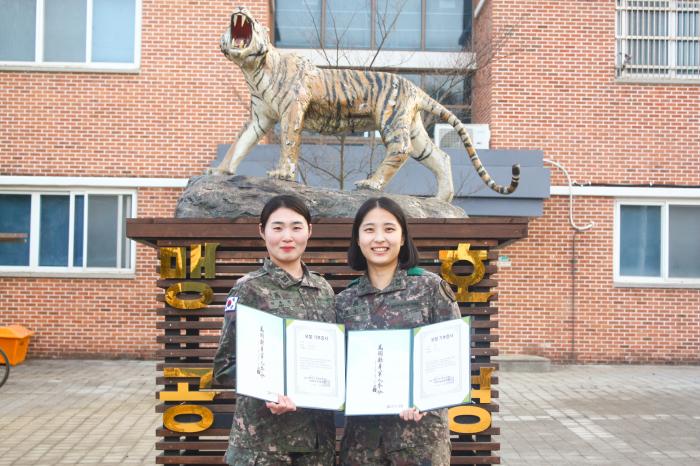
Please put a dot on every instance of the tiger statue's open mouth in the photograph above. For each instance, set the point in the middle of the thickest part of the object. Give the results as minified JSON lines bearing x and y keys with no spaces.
{"x":241,"y":31}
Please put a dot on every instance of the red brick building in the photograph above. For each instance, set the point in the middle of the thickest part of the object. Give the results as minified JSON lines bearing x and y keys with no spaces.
{"x":627,"y":128}
{"x":108,"y":123}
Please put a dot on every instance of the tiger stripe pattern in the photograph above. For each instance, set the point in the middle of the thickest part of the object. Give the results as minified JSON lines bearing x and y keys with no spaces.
{"x":289,"y":89}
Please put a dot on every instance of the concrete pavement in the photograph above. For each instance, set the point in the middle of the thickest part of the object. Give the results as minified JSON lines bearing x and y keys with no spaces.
{"x":605,"y":415}
{"x":59,"y":412}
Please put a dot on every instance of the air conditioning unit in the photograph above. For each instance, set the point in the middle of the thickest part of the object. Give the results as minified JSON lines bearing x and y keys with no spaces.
{"x":447,"y":137}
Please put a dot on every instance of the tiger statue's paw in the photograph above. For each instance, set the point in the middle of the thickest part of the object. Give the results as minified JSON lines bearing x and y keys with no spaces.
{"x":444,"y":196}
{"x":368,"y":184}
{"x":284,"y":175}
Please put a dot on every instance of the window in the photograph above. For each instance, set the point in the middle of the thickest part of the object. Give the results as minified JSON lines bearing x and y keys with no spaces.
{"x":348,"y":24}
{"x":297,"y":24}
{"x":658,"y":39}
{"x":451,"y":90}
{"x":657,"y":243}
{"x":441,"y":25}
{"x":398,"y":24}
{"x":66,"y":232}
{"x":448,"y":25}
{"x":70,"y":34}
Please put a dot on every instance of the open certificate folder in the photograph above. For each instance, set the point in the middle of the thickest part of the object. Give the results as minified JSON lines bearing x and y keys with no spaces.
{"x":301,"y":359}
{"x":427,"y":367}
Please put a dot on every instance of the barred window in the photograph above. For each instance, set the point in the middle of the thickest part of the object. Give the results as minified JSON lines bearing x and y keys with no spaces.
{"x":658,"y":39}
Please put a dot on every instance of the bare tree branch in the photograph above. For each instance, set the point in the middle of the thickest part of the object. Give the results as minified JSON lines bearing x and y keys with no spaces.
{"x":386,"y":31}
{"x":317,"y":29}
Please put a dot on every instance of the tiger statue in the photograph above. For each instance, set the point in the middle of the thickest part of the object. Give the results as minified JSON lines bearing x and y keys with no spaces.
{"x":289,"y":89}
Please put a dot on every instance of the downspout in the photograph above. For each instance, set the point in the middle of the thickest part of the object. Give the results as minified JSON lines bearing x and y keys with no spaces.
{"x":574,"y":261}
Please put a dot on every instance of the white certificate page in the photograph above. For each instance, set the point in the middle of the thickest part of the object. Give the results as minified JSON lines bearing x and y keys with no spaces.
{"x":315,"y":364}
{"x":378,"y":372}
{"x":259,"y":353}
{"x":441,"y":373}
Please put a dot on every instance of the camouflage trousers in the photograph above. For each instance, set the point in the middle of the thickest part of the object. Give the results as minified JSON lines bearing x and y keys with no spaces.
{"x":244,"y":457}
{"x":436,"y":455}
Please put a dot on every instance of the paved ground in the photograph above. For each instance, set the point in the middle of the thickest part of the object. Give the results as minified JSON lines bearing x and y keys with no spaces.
{"x":78,"y":412}
{"x":607,"y":415}
{"x":101,"y":412}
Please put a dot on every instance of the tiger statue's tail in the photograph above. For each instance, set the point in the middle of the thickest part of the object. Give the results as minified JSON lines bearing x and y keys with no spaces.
{"x":430,"y":105}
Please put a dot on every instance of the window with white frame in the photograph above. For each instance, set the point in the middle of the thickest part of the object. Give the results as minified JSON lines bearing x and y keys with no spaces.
{"x":66,"y":231}
{"x":442,"y":26}
{"x":657,"y":243}
{"x":70,"y":34}
{"x":658,"y":39}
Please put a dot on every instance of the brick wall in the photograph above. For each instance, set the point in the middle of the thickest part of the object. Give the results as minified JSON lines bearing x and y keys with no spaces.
{"x":539,"y":312}
{"x":88,"y":316}
{"x":164,"y":121}
{"x":553,"y":87}
{"x":483,"y":41}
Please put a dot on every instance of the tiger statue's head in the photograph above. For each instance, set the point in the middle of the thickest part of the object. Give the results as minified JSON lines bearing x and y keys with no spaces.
{"x":246,"y":40}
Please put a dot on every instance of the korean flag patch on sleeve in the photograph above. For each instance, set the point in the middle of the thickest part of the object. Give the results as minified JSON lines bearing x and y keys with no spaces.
{"x":231,"y":303}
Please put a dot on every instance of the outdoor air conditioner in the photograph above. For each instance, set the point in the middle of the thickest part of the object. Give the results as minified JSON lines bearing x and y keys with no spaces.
{"x":446,"y":136}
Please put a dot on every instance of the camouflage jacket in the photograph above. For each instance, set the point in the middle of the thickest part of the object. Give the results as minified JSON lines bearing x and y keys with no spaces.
{"x":414,"y":297}
{"x":273,"y":290}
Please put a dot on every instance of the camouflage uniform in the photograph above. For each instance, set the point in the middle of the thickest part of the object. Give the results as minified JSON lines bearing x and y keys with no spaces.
{"x":302,"y":437}
{"x":413,"y":298}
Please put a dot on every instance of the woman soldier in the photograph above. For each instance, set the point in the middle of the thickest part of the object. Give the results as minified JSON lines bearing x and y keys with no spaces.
{"x":393,"y":293}
{"x":277,"y":433}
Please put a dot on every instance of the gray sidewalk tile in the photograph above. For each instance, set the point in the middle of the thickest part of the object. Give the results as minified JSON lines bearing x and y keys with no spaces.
{"x":74,"y":412}
{"x":614,"y":415}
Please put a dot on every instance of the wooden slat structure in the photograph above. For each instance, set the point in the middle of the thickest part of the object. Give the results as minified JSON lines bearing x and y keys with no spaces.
{"x":190,"y":336}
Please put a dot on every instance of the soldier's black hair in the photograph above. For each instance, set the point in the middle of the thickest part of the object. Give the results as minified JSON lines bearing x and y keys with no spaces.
{"x":408,"y":254}
{"x":282,"y":201}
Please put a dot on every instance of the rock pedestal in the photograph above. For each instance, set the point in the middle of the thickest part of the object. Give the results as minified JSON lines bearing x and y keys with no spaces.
{"x":241,"y":196}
